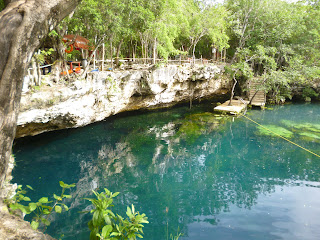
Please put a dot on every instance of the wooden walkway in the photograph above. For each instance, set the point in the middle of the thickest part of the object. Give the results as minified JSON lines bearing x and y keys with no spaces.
{"x":236,"y":107}
{"x":258,"y":97}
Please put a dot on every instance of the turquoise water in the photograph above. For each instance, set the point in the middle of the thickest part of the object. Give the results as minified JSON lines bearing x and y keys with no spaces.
{"x":217,"y":177}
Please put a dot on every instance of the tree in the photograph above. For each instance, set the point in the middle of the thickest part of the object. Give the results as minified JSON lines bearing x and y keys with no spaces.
{"x":23,"y":24}
{"x":277,"y":41}
{"x":205,"y":20}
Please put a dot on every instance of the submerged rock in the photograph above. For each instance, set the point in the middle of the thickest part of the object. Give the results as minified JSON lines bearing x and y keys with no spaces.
{"x":104,"y":94}
{"x":194,"y":125}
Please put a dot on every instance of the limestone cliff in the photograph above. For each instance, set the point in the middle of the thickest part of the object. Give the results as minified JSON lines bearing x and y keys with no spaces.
{"x":103,"y":94}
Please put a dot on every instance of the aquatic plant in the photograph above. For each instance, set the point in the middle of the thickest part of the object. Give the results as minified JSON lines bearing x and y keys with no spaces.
{"x":274,"y":130}
{"x":190,"y":131}
{"x":288,"y":123}
{"x":310,"y":136}
{"x":204,"y":117}
{"x":194,"y":125}
{"x":302,"y":126}
{"x":310,"y":127}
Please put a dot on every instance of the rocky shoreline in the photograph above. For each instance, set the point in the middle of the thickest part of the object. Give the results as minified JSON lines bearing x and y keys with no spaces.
{"x":55,"y":106}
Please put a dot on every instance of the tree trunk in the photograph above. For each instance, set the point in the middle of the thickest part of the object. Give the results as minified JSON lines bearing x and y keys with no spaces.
{"x":34,"y":72}
{"x":134,"y":52}
{"x":39,"y":75}
{"x":59,"y":47}
{"x":118,"y":53}
{"x":111,"y":53}
{"x":193,"y":54}
{"x":233,"y":87}
{"x":23,"y":24}
{"x":93,"y":56}
{"x":102,"y":63}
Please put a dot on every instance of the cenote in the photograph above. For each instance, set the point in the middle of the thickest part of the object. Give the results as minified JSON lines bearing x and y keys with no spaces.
{"x":210,"y":176}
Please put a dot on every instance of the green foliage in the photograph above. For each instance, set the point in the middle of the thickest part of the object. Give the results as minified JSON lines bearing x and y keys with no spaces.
{"x":139,"y":27}
{"x":107,"y":225}
{"x":309,"y":92}
{"x":40,"y":58}
{"x":160,"y":64}
{"x":279,"y":41}
{"x":40,"y":209}
{"x":53,"y":33}
{"x":177,"y":235}
{"x":74,"y":55}
{"x":1,"y":5}
{"x":36,"y":88}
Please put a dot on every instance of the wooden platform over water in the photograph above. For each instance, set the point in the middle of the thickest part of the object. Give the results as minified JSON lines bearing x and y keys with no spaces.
{"x":236,"y":107}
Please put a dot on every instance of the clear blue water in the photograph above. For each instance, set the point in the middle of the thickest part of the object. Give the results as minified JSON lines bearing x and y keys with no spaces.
{"x":217,"y":177}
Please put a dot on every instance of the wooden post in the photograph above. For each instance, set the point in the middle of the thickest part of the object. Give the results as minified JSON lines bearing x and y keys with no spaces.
{"x":82,"y":54}
{"x":102,"y":65}
{"x":94,"y":60}
{"x":154,"y":50}
{"x":214,"y":54}
{"x":29,"y":75}
{"x":134,"y":53}
{"x":225,"y":55}
{"x":39,"y":75}
{"x":34,"y":71}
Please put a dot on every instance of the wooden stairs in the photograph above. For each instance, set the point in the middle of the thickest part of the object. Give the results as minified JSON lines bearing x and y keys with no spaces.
{"x":258,"y":96}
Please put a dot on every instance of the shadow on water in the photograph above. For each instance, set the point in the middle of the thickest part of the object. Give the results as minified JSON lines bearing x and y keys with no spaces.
{"x":212,"y":176}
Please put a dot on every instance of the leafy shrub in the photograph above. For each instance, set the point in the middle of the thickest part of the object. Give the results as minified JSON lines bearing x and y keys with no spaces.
{"x":308,"y":92}
{"x":107,"y":225}
{"x":42,"y":208}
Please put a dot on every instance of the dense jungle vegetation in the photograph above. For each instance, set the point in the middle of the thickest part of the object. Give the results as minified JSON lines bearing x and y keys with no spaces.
{"x":275,"y":42}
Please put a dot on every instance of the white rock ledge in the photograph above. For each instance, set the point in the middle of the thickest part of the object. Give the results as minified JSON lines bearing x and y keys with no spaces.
{"x":104,"y":94}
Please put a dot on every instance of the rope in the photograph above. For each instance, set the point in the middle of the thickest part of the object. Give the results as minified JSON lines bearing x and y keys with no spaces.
{"x":281,"y":136}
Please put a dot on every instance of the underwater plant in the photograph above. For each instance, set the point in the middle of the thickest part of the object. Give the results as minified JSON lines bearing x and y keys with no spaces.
{"x":273,"y":130}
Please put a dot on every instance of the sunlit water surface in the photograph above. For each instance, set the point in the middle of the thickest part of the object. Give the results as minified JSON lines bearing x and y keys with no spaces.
{"x":209,"y":177}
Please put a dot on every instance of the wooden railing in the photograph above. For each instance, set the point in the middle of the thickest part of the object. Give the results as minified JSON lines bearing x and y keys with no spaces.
{"x":151,"y":61}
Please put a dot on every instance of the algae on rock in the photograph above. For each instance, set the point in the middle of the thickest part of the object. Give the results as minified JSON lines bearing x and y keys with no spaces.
{"x":274,"y":130}
{"x":194,"y":125}
{"x":302,"y":126}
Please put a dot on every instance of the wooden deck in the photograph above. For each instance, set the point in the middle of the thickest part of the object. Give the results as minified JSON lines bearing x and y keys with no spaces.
{"x":258,"y":97}
{"x":236,"y":107}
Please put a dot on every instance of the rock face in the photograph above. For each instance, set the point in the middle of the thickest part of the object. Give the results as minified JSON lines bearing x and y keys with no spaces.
{"x":13,"y":227}
{"x":104,"y":94}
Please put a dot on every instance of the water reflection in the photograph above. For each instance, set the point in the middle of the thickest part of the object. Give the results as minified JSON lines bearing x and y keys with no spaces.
{"x":208,"y":175}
